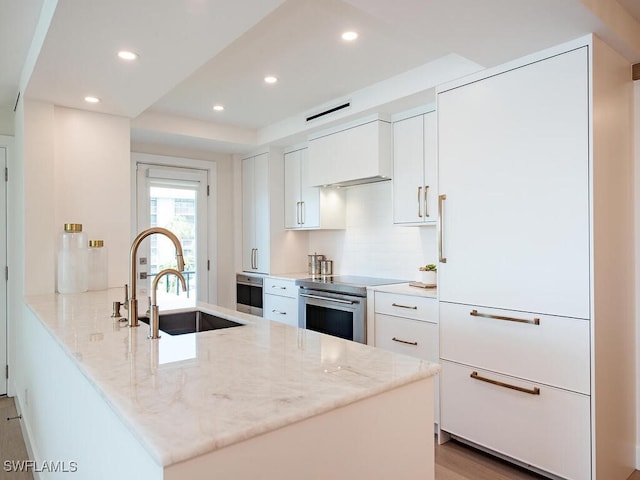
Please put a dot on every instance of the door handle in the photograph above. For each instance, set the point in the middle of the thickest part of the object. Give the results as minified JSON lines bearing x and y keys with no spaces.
{"x":256,"y":259}
{"x":530,"y":391}
{"x":302,"y":213}
{"x":441,"y":199}
{"x":298,"y":213}
{"x":426,"y":211}
{"x":420,"y":202}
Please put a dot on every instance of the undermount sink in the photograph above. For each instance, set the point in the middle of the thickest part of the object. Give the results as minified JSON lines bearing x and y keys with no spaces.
{"x":190,"y":322}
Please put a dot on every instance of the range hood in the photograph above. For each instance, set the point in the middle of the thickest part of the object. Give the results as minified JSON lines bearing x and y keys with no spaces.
{"x":351,"y":156}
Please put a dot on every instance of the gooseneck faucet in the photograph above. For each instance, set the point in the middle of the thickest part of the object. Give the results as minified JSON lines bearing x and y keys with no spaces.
{"x":133,"y":301}
{"x":154,"y":320}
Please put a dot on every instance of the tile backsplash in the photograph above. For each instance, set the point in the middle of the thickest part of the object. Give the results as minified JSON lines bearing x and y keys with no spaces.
{"x":371,"y":244}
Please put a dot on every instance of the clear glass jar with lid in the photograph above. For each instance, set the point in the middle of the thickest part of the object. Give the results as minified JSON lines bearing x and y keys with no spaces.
{"x":73,"y":260}
{"x":98,"y":261}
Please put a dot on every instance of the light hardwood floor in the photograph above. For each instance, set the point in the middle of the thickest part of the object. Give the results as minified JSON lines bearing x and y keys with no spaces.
{"x":11,"y":442}
{"x":454,"y":460}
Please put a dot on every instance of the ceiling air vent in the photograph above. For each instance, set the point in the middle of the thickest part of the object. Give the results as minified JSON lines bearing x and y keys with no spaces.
{"x":327,"y":112}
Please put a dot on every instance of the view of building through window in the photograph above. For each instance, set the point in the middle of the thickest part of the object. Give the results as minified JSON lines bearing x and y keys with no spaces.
{"x":174,"y":209}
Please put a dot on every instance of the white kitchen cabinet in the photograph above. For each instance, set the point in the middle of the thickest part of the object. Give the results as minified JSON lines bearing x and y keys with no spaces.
{"x":548,"y":430}
{"x":255,"y":214}
{"x":408,"y":324}
{"x":308,"y":207}
{"x":415,"y":177}
{"x":533,"y":236}
{"x":355,"y":154}
{"x":265,"y":245}
{"x":281,"y":300}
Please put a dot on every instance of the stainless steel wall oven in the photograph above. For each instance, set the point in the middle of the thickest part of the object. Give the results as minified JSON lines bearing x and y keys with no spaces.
{"x":249,"y":293}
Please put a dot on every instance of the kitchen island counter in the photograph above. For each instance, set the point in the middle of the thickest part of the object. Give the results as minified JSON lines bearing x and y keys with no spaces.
{"x":192,"y":395}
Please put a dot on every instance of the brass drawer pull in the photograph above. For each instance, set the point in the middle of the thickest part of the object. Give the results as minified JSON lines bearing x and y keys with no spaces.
{"x":419,"y":204}
{"x":440,"y":228}
{"x":530,"y":391}
{"x":278,"y":286}
{"x":278,"y":312}
{"x":404,"y":341}
{"x":404,"y":306}
{"x":534,"y":321}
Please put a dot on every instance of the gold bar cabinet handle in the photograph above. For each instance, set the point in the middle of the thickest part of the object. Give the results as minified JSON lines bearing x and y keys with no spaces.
{"x":419,"y":202}
{"x":533,"y":321}
{"x":530,"y":391}
{"x":441,"y":257}
{"x":426,"y":203}
{"x":404,"y":341}
{"x":404,"y":306}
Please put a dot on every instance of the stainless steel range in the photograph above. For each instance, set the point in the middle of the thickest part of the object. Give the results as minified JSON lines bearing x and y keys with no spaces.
{"x":337,"y":304}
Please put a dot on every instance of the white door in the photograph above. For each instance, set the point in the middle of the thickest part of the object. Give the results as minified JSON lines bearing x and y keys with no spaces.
{"x":514,"y":166}
{"x":3,"y":283}
{"x":176,"y":199}
{"x":261,"y":205}
{"x":408,"y":167}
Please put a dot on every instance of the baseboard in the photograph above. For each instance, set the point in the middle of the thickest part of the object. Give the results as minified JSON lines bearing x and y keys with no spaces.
{"x":26,"y":435}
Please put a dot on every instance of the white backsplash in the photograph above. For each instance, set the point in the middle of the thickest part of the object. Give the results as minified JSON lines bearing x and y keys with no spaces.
{"x":372,"y":245}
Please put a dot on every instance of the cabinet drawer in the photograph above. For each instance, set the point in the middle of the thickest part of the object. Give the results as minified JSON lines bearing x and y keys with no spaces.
{"x":281,"y":309}
{"x":281,"y":287}
{"x":550,"y":431}
{"x":554,"y":352}
{"x":409,"y":306}
{"x":410,"y":337}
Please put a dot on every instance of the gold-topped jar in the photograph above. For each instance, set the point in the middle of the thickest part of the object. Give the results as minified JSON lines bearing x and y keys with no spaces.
{"x":72,"y":227}
{"x":96,"y":243}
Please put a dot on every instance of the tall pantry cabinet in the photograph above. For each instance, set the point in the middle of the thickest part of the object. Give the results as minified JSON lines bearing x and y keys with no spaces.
{"x":535,"y":273}
{"x":266,"y":246}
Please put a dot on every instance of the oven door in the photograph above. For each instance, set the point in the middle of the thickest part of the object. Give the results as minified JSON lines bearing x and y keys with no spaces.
{"x":334,"y":314}
{"x":249,"y":294}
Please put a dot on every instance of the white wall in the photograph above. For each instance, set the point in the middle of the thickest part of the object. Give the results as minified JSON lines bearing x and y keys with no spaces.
{"x":91,"y":177}
{"x":76,"y":170}
{"x":371,"y":245}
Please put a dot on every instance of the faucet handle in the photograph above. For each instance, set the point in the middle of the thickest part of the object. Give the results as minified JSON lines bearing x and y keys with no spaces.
{"x":126,"y":297}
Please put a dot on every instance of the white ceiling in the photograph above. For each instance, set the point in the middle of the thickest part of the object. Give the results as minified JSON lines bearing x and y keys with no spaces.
{"x":194,"y":53}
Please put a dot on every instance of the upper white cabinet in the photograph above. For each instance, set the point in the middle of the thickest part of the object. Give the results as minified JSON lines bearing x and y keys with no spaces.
{"x":265,"y":247}
{"x":357,"y":154}
{"x":415,"y":193}
{"x":308,"y":207}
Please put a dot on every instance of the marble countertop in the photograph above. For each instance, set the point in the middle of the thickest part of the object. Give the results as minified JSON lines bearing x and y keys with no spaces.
{"x":187,"y":395}
{"x":406,"y":289}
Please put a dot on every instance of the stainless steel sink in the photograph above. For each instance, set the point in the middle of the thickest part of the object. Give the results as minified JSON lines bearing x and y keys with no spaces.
{"x":190,"y":322}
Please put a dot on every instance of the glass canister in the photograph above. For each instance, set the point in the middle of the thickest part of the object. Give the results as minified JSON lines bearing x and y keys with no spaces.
{"x":73,"y":260}
{"x":98,"y":261}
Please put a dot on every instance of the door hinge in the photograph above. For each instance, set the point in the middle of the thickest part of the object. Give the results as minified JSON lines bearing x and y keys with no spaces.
{"x":6,"y":371}
{"x":208,"y":265}
{"x":208,"y":192}
{"x":6,"y":273}
{"x":6,"y":174}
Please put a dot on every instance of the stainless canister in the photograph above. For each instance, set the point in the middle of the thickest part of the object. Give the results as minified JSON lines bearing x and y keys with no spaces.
{"x":326,"y":267}
{"x":314,"y":263}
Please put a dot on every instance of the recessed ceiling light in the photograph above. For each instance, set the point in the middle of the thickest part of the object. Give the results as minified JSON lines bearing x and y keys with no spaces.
{"x":127,"y":55}
{"x":218,"y":108}
{"x":270,"y":79}
{"x":90,"y":99}
{"x":349,"y":36}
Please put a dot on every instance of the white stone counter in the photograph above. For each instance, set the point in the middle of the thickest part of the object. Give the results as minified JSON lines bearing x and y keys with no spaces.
{"x":406,"y":289}
{"x":187,"y":395}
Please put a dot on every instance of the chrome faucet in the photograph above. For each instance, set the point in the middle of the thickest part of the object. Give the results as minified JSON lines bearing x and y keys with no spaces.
{"x":154,"y":318}
{"x":133,"y":301}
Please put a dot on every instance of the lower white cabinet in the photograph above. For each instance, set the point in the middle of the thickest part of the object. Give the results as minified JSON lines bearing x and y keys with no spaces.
{"x":281,"y":300}
{"x":408,"y":324}
{"x":545,"y":427}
